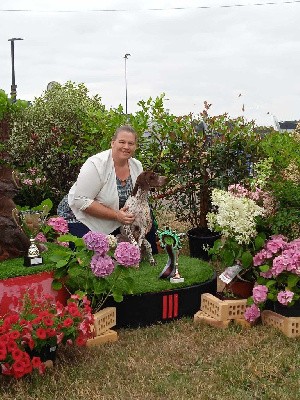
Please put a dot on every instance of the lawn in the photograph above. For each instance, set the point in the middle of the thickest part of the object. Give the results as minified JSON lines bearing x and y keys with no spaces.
{"x":177,"y":360}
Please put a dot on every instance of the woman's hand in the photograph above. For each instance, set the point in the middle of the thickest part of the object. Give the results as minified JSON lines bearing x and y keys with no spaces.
{"x":124,"y":217}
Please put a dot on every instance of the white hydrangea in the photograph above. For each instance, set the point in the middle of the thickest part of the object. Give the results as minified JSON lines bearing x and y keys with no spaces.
{"x":235,"y":216}
{"x":112,"y":241}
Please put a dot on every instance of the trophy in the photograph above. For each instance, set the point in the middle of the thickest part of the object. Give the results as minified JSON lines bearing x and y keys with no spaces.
{"x":30,"y":222}
{"x":170,"y":241}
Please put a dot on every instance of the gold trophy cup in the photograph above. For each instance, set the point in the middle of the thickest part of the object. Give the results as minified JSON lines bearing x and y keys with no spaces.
{"x":30,"y":222}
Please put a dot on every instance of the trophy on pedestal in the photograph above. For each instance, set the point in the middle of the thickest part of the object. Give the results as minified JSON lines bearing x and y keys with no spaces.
{"x":170,"y":241}
{"x":30,"y":222}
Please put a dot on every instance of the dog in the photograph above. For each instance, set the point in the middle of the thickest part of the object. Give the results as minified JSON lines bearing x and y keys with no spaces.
{"x":13,"y":242}
{"x":138,"y":205}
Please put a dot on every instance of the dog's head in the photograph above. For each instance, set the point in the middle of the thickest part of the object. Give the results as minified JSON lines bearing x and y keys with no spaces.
{"x":149,"y":179}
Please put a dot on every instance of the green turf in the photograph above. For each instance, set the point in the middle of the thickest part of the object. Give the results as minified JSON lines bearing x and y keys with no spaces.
{"x":145,"y":278}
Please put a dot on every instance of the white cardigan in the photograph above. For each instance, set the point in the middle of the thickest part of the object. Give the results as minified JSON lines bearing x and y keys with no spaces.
{"x":97,"y":182}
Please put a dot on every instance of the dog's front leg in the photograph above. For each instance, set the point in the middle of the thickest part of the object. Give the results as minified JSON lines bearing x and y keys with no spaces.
{"x":148,"y":251}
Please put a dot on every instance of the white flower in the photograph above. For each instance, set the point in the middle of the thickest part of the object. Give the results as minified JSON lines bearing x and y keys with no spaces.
{"x":235,"y":216}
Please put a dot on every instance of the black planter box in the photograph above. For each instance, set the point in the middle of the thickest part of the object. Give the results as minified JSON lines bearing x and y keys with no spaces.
{"x":165,"y":306}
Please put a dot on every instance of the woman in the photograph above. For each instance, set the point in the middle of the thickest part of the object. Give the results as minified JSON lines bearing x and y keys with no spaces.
{"x":103,"y":185}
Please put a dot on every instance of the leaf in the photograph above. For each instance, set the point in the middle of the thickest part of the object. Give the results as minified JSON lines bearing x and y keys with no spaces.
{"x":60,"y":272}
{"x":270,"y":283}
{"x":259,"y":242}
{"x":118,"y":297}
{"x":228,"y":258}
{"x":246,"y":259}
{"x":264,"y":268}
{"x":292,"y":281}
{"x":56,"y":285}
{"x":75,"y":271}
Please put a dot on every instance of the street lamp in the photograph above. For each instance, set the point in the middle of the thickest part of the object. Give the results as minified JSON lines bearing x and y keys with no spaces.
{"x":13,"y":93}
{"x":125,"y":58}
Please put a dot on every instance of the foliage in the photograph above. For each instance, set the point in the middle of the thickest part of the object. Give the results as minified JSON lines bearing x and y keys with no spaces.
{"x":37,"y":323}
{"x":55,"y":135}
{"x":197,"y":153}
{"x":278,"y":263}
{"x":86,"y":268}
{"x":283,"y":150}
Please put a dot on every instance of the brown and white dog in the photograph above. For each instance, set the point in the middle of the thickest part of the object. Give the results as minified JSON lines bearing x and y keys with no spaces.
{"x":138,"y":205}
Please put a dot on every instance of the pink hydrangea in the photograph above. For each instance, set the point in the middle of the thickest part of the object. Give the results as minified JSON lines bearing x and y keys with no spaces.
{"x":96,"y":241}
{"x":260,"y":293}
{"x":59,"y":224}
{"x":102,"y":265}
{"x":127,"y":254}
{"x":276,"y":243}
{"x":285,"y":297}
{"x":252,"y":313}
{"x":40,"y":237}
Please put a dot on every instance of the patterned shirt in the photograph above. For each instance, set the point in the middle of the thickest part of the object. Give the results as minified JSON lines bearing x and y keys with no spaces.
{"x":124,"y":191}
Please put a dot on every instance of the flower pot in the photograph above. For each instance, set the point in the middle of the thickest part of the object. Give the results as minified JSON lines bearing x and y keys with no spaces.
{"x":46,"y":353}
{"x":287,"y":311}
{"x":241,"y":288}
{"x":199,"y":239}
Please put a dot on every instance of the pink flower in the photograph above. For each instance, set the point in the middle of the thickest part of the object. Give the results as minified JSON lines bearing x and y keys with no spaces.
{"x":59,"y":224}
{"x":252,"y":313}
{"x":127,"y":254}
{"x":40,"y":237}
{"x":285,"y":297}
{"x":277,"y":242}
{"x":96,"y":241}
{"x":102,"y":265}
{"x":28,"y":182}
{"x":260,"y":293}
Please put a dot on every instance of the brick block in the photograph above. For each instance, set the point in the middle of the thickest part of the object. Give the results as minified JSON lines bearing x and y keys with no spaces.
{"x":106,"y":337}
{"x":222,"y":310}
{"x":200,"y":316}
{"x":290,"y":326}
{"x":104,"y":320}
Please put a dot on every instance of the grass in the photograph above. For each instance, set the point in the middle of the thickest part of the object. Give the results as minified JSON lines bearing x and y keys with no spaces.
{"x":178,"y":360}
{"x":146,"y":278}
{"x":14,"y":267}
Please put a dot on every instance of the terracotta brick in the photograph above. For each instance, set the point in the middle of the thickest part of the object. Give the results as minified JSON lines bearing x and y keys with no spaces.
{"x":106,"y":337}
{"x":104,"y":320}
{"x":222,"y":310}
{"x":290,"y":326}
{"x":200,"y":316}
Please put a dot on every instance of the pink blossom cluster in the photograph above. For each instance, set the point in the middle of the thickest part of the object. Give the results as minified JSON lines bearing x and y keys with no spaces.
{"x":285,"y":297}
{"x":102,"y":265}
{"x":59,"y":224}
{"x":281,"y":255}
{"x":127,"y":254}
{"x":260,"y":293}
{"x":96,"y":241}
{"x":252,"y":313}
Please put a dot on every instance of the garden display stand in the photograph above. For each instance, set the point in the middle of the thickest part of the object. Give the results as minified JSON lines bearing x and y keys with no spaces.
{"x":103,"y":321}
{"x":220,"y":313}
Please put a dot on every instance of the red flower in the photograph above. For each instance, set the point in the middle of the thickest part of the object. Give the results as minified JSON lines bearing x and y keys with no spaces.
{"x":36,"y":362}
{"x":17,"y":354}
{"x":41,"y":333}
{"x":3,"y":354}
{"x":11,"y":345}
{"x":50,"y":332}
{"x":18,"y":366}
{"x":80,"y":341}
{"x":68,"y":322}
{"x":48,"y":321}
{"x":14,"y":335}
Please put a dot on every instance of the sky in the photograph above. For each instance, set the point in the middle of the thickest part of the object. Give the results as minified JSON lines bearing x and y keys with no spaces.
{"x":242,"y":56}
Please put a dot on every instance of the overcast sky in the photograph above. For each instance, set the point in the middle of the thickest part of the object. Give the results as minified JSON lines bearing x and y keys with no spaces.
{"x":230,"y":56}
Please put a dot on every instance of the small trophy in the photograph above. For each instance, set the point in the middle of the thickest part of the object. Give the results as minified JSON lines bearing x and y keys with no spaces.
{"x":170,"y":241}
{"x":30,"y":222}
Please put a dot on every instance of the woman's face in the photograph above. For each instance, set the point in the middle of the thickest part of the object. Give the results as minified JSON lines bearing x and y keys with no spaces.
{"x":124,"y":146}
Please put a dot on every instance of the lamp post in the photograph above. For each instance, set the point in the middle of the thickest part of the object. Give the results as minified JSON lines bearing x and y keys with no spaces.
{"x":13,"y":92}
{"x":125,"y":58}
